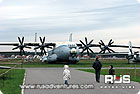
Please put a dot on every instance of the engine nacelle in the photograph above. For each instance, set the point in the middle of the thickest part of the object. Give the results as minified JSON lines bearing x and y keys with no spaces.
{"x":44,"y":58}
{"x":52,"y":58}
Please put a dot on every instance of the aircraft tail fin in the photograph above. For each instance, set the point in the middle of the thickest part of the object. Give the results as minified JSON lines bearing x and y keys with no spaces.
{"x":70,"y":38}
{"x":130,"y":48}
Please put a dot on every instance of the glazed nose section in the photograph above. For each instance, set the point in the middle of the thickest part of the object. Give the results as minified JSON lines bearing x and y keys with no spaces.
{"x":73,"y":51}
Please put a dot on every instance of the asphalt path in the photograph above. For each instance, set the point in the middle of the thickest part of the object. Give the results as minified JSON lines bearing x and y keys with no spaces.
{"x":77,"y":68}
{"x":45,"y":76}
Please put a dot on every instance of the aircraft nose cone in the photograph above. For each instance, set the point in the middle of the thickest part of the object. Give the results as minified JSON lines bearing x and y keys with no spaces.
{"x":73,"y":51}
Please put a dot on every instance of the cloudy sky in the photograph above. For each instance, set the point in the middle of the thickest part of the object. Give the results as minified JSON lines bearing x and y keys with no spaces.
{"x":56,"y":19}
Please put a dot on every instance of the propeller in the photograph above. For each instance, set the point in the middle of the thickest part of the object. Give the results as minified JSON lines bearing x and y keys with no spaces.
{"x":86,"y":46}
{"x":42,"y":46}
{"x":21,"y":46}
{"x":105,"y":48}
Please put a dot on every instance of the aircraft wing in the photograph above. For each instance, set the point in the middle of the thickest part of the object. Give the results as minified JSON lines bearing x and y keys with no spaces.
{"x":91,"y":45}
{"x":37,"y":44}
{"x":87,"y":46}
{"x":9,"y":43}
{"x":124,"y":46}
{"x":98,"y":45}
{"x":27,"y":44}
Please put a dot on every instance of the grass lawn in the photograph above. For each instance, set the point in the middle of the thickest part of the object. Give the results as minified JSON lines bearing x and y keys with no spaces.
{"x":13,"y":79}
{"x":118,"y":72}
{"x":81,"y":63}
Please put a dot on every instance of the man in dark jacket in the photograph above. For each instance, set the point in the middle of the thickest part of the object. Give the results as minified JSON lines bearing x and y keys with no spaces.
{"x":97,"y":66}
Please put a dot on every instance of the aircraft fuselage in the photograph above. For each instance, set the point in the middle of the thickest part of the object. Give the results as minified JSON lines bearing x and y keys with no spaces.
{"x":64,"y":53}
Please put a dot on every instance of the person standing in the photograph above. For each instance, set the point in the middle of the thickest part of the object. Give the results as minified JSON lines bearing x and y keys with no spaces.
{"x":66,"y":74}
{"x":97,"y":66}
{"x":111,"y":70}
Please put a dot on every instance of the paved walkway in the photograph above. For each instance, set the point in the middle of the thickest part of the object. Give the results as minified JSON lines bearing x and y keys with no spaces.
{"x":54,"y":75}
{"x":79,"y":68}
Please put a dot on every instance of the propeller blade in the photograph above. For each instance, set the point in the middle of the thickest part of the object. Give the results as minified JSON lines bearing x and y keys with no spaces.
{"x":102,"y":43}
{"x":23,"y":52}
{"x":82,"y":43}
{"x":108,"y":50}
{"x":19,"y":40}
{"x":83,"y":50}
{"x":87,"y":52}
{"x":20,"y":52}
{"x":90,"y":42}
{"x":41,"y":52}
{"x":86,"y":40}
{"x":112,"y":50}
{"x":110,"y":42}
{"x":15,"y":48}
{"x":43,"y":40}
{"x":101,"y":51}
{"x":91,"y":50}
{"x":22,"y":40}
{"x":136,"y":52}
{"x":45,"y":52}
{"x":36,"y":47}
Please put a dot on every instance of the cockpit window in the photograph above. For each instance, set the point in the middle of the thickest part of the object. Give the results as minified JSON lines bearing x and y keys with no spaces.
{"x":72,"y":46}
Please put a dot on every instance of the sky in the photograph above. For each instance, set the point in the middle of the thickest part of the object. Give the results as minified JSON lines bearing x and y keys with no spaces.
{"x":56,"y":19}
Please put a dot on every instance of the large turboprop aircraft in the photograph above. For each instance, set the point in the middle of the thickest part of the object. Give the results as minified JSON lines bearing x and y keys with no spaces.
{"x":64,"y":51}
